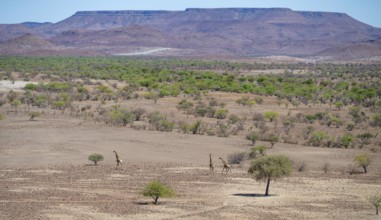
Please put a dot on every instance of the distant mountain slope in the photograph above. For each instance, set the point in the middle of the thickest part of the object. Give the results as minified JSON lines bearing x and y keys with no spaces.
{"x":237,"y":32}
{"x":25,"y":44}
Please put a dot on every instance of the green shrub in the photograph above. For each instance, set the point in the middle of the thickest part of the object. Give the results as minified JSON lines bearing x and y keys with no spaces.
{"x":34,"y":115}
{"x":271,"y":115}
{"x":221,"y":113}
{"x":156,"y":189}
{"x":318,"y":137}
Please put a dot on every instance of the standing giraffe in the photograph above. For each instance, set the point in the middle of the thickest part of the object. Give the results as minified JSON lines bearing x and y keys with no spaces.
{"x":118,"y":161}
{"x":226,"y":167}
{"x":211,"y":165}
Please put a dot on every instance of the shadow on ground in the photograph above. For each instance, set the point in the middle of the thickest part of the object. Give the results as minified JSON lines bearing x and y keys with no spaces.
{"x":251,"y":195}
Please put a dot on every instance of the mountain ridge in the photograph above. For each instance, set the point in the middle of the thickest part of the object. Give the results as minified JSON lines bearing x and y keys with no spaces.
{"x":236,"y":32}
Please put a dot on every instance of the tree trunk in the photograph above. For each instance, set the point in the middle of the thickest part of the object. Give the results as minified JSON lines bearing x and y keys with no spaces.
{"x":365,"y":170}
{"x":156,"y":200}
{"x":267,"y":187}
{"x":376,"y":210}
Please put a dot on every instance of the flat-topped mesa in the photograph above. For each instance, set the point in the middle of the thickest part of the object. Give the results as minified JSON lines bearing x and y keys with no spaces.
{"x":122,"y":12}
{"x":242,"y":10}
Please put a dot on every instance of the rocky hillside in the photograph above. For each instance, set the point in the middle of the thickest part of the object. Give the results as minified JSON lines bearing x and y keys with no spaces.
{"x":231,"y":32}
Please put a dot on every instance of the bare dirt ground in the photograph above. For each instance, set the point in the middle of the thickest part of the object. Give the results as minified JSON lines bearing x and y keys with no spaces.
{"x":45,"y":174}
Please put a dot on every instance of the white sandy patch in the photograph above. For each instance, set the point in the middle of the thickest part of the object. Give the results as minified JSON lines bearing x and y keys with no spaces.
{"x":7,"y":85}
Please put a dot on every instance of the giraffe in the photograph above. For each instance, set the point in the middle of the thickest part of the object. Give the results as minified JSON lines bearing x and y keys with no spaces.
{"x":118,"y":161}
{"x":211,"y":165}
{"x":226,"y":167}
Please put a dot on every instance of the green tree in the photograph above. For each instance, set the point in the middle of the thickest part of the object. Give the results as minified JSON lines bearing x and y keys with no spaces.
{"x":363,"y":160}
{"x":96,"y":158}
{"x":271,"y":115}
{"x":376,"y":201}
{"x":270,"y":168}
{"x":1,"y":116}
{"x":156,"y":189}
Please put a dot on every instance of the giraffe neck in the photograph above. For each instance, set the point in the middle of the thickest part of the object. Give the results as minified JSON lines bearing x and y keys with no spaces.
{"x":116,"y":155}
{"x":224,"y":162}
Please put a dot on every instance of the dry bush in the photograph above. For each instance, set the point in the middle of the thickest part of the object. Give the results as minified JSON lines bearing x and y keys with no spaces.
{"x":236,"y":158}
{"x":258,"y":117}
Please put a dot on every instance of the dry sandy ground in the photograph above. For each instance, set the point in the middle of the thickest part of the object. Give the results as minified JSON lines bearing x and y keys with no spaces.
{"x":44,"y":174}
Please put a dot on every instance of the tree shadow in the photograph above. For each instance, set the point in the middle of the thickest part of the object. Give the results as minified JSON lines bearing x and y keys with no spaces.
{"x":143,"y":203}
{"x":252,"y":195}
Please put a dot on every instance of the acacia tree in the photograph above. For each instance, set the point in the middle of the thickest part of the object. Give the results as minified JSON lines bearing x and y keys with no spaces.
{"x":376,"y":201}
{"x":156,"y":189}
{"x":96,"y":158}
{"x":271,"y":115}
{"x":270,"y":167}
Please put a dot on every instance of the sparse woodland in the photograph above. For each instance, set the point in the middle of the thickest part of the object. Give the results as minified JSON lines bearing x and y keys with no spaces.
{"x":322,"y":105}
{"x":313,"y":105}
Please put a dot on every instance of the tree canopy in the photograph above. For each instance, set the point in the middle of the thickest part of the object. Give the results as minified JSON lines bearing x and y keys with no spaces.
{"x":270,"y":167}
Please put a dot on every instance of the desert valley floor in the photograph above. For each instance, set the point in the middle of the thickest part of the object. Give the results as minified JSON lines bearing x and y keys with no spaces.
{"x":45,"y":174}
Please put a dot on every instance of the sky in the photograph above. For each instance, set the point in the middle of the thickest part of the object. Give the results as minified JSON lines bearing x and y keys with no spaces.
{"x":17,"y":11}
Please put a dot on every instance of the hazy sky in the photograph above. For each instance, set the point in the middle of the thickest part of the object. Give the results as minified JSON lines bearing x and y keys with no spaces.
{"x":16,"y":11}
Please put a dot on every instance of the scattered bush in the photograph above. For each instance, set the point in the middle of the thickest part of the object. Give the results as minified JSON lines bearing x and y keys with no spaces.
{"x":34,"y":115}
{"x":271,"y":115}
{"x":258,"y":150}
{"x":301,"y":166}
{"x":326,"y":168}
{"x":318,"y":137}
{"x":346,"y":140}
{"x":138,"y":112}
{"x":236,"y":158}
{"x":196,"y":127}
{"x":160,"y":122}
{"x":221,"y":113}
{"x":253,"y":137}
{"x":222,"y":130}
